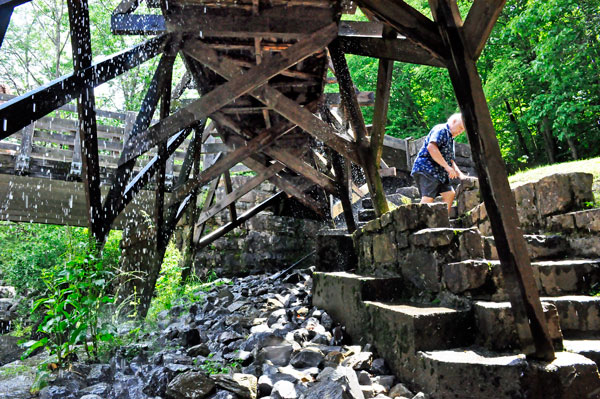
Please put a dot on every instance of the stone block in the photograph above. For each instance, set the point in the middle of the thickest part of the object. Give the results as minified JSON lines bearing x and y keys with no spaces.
{"x":386,"y":219}
{"x":467,"y":200}
{"x":577,"y":313}
{"x":587,"y":221}
{"x":367,"y":214}
{"x":335,"y":251}
{"x":566,"y":277}
{"x":341,"y":294}
{"x":401,"y":240}
{"x":432,"y":237}
{"x":464,"y":276}
{"x":411,"y":192}
{"x":366,"y":251}
{"x":421,"y":267}
{"x":561,"y":223}
{"x":433,"y":215}
{"x":405,"y":217}
{"x":525,"y":198}
{"x":496,"y":328}
{"x":384,"y":248}
{"x":553,"y":195}
{"x":489,"y":248}
{"x":373,"y":226}
{"x":470,"y":243}
{"x":581,"y":186}
{"x":588,"y":246}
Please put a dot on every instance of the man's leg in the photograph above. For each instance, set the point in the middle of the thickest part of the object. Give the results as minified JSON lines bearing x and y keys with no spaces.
{"x":448,"y":198}
{"x":426,"y":200}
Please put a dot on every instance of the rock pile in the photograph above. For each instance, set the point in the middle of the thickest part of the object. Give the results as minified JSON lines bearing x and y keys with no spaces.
{"x":252,"y":337}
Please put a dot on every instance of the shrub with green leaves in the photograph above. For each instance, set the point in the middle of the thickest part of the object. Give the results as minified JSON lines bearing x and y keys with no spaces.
{"x":76,"y":293}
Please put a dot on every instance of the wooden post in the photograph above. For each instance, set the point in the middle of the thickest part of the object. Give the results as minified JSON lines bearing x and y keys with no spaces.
{"x":499,"y":201}
{"x":229,"y":190}
{"x":343,"y":189}
{"x":82,"y":58}
{"x":24,"y":156}
{"x":358,"y":125}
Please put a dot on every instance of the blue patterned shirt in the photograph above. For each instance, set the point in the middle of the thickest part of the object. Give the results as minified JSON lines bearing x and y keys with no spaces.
{"x":442,"y":136}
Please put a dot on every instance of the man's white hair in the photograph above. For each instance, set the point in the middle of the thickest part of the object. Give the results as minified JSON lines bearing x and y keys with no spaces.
{"x":456,"y":118}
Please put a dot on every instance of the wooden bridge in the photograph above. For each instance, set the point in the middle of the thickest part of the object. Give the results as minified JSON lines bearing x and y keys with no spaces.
{"x":260,"y":67}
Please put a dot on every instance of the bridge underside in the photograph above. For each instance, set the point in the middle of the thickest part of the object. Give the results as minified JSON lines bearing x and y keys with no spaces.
{"x":259,"y":68}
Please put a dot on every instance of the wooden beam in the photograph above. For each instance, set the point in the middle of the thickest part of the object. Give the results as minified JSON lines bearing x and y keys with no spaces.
{"x":382,"y":98}
{"x":291,"y":160}
{"x":365,"y":99}
{"x":210,"y":196}
{"x":126,"y":7}
{"x":79,"y":20}
{"x":409,"y":22}
{"x":231,"y":197}
{"x":265,"y":138}
{"x":229,"y":91}
{"x":358,"y":125}
{"x":229,"y":190}
{"x":114,"y":202}
{"x":5,"y":14}
{"x":499,"y":201}
{"x":126,"y":24}
{"x":220,"y":232}
{"x":274,"y":100}
{"x":24,"y":156}
{"x":479,"y":24}
{"x":19,"y":112}
{"x":343,"y":191}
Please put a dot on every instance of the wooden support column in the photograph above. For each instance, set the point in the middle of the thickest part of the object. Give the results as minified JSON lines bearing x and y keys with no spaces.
{"x":358,"y":125}
{"x":24,"y":156}
{"x":229,"y":190}
{"x":82,"y":58}
{"x":162,"y":237}
{"x":382,"y":99}
{"x":343,"y":190}
{"x":499,"y":201}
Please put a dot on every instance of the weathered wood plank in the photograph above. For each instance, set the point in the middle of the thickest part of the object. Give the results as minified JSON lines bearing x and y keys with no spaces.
{"x":229,"y":91}
{"x":5,"y":14}
{"x":22,"y":161}
{"x":343,"y":191}
{"x":126,"y":7}
{"x":530,"y":321}
{"x":229,"y":190}
{"x":274,"y":100}
{"x":479,"y":24}
{"x":409,"y":22}
{"x":21,"y":111}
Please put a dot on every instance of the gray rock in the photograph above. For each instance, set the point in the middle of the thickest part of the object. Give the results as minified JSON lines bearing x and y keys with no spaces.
{"x":260,"y":340}
{"x":243,"y":385}
{"x":190,"y":385}
{"x":399,"y":390}
{"x":363,"y":378}
{"x":100,"y":373}
{"x":378,"y":367}
{"x":326,"y":321}
{"x":386,"y":381}
{"x":284,"y":390}
{"x":224,"y":395}
{"x":100,"y":389}
{"x":360,"y":361}
{"x":56,"y":392}
{"x":344,"y":376}
{"x":367,"y":391}
{"x":421,"y":395}
{"x":198,"y":350}
{"x":276,"y":317}
{"x":307,"y":357}
{"x":279,"y":355}
{"x":91,"y":396}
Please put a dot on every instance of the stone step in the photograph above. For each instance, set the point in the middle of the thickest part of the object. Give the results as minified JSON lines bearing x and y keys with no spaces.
{"x":483,"y":279}
{"x":539,"y":247}
{"x":495,"y":325}
{"x":342,"y":294}
{"x":474,"y":373}
{"x":402,"y":326}
{"x":589,"y":348}
{"x":586,"y":221}
{"x":577,"y":313}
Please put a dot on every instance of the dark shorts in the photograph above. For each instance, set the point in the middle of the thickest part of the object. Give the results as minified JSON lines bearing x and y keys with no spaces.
{"x":429,"y":186}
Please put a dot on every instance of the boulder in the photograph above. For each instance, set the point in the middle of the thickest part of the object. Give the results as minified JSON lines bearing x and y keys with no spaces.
{"x":243,"y":385}
{"x":190,"y":385}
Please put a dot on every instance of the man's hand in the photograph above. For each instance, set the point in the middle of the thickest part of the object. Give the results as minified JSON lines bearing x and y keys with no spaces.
{"x":453,"y":174}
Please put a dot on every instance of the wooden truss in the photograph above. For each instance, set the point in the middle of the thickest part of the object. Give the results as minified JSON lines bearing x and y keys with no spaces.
{"x":248,"y":64}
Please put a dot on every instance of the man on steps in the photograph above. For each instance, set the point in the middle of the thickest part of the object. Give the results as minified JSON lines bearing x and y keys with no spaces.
{"x":435,"y":166}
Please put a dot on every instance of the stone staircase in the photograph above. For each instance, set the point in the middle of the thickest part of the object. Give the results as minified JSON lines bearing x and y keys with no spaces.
{"x":433,"y":301}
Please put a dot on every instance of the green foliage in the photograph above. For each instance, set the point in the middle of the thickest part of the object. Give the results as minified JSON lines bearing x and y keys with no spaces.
{"x":76,"y":293}
{"x":210,"y":366}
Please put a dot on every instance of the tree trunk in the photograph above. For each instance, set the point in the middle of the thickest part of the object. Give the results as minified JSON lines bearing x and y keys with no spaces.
{"x":549,"y":145}
{"x":515,"y":123}
{"x":572,"y":148}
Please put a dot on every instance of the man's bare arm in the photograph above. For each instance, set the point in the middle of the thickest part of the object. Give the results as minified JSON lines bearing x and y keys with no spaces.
{"x":436,"y":155}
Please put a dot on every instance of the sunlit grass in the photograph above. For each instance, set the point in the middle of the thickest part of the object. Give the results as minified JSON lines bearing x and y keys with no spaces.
{"x":589,"y":166}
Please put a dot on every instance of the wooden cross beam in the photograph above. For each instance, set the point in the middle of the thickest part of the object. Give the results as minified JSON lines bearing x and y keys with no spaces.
{"x":210,"y":196}
{"x":479,"y":24}
{"x":265,"y":138}
{"x":291,"y":160}
{"x":274,"y":100}
{"x":499,"y":201}
{"x":79,"y":20}
{"x":409,"y":22}
{"x":229,"y":91}
{"x":367,"y":160}
{"x":21,"y":111}
{"x":220,"y":232}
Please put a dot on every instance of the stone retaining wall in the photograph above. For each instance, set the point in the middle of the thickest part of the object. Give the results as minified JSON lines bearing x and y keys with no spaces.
{"x":413,"y":241}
